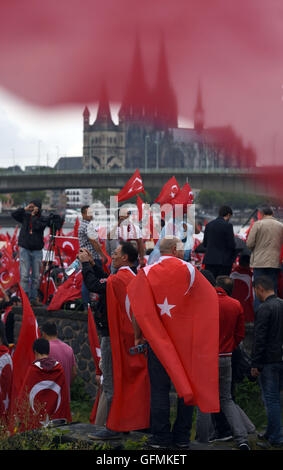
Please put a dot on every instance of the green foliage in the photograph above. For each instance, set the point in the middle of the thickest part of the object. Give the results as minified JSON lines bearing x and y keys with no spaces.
{"x":25,"y":197}
{"x":248,"y":397}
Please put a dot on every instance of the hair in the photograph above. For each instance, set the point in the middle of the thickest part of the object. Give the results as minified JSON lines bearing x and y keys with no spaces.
{"x":50,"y":329}
{"x":129,"y":250}
{"x":266,"y":210}
{"x":84,"y":208}
{"x":226,"y":283}
{"x":168,"y":243}
{"x":265,"y":282}
{"x":244,"y":260}
{"x":225,"y":210}
{"x":41,"y":346}
{"x":209,"y":276}
{"x":3,"y":334}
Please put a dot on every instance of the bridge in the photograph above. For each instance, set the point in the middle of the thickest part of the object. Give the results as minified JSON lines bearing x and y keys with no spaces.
{"x":246,"y":181}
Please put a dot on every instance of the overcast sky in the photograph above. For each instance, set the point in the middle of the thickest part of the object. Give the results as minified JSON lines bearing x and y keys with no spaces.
{"x":32,"y":136}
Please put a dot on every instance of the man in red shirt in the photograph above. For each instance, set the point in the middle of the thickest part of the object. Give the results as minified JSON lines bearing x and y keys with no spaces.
{"x":231,"y":333}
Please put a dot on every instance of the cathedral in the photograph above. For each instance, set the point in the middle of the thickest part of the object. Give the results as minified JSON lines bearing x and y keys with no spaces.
{"x":147,"y":135}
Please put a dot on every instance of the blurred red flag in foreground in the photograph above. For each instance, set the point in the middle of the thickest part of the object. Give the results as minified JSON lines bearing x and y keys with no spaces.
{"x":58,"y":53}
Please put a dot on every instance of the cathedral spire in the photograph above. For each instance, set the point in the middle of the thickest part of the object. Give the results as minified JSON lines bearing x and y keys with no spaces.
{"x":199,"y":112}
{"x":103,"y":112}
{"x":136,"y":99}
{"x":164,"y":100}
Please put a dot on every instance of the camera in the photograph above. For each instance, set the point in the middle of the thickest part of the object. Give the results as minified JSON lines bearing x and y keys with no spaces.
{"x":55,"y":222}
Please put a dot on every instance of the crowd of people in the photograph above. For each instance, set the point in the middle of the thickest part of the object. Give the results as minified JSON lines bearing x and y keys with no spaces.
{"x":165,"y":323}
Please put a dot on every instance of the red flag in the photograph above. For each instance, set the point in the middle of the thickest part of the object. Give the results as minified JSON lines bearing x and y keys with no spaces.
{"x":132,"y":187}
{"x":6,"y":376}
{"x":9,"y":271}
{"x":69,"y":290}
{"x":130,"y":408}
{"x":47,"y":284}
{"x":23,"y":355}
{"x":69,"y":245}
{"x":5,"y":314}
{"x":96,"y":354}
{"x":184,"y":196}
{"x":168,"y":192}
{"x":177,"y":311}
{"x":140,"y":207}
{"x":43,"y":395}
{"x":243,"y":290}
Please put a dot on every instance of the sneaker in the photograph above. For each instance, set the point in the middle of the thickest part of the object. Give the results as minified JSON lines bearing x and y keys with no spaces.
{"x":244,"y":446}
{"x":219,"y":438}
{"x":182,"y":445}
{"x":152,"y":444}
{"x":104,"y":435}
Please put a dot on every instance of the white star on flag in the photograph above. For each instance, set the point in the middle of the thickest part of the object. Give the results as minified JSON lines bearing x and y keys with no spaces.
{"x":165,"y":308}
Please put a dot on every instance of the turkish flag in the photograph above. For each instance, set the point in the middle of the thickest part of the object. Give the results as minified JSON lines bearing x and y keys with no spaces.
{"x":130,"y":408}
{"x":140,"y":204}
{"x":68,"y":290}
{"x":47,"y":284}
{"x":6,"y":376}
{"x":43,"y":396}
{"x":6,"y":313}
{"x":168,"y":192}
{"x":69,"y":245}
{"x":133,"y":187}
{"x":184,"y":196}
{"x":243,"y":290}
{"x":23,"y":355}
{"x":9,"y":271}
{"x":178,"y":313}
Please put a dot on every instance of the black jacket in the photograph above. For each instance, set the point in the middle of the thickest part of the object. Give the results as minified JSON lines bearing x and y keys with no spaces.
{"x":31,"y":234}
{"x":268,"y":332}
{"x":219,"y":243}
{"x":95,"y":280}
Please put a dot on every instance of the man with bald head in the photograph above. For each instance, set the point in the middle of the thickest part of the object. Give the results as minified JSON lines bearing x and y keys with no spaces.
{"x":173,"y":306}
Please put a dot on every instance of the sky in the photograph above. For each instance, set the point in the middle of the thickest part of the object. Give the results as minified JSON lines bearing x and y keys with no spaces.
{"x":31,"y":135}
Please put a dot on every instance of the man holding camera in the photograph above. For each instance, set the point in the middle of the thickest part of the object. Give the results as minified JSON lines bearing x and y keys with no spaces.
{"x":31,"y":242}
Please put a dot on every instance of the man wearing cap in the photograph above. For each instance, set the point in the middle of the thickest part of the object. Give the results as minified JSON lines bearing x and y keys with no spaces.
{"x":31,"y":242}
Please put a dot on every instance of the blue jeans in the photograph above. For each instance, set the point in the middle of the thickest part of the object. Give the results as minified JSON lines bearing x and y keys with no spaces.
{"x":160,"y":407}
{"x":30,"y":267}
{"x":273,"y":273}
{"x":271,"y":379}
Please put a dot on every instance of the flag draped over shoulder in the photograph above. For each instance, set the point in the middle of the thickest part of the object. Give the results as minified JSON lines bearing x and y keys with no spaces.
{"x":6,"y":376}
{"x":23,"y":355}
{"x":130,"y":408}
{"x":177,"y":310}
{"x":43,"y":395}
{"x":133,"y":187}
{"x":96,"y":354}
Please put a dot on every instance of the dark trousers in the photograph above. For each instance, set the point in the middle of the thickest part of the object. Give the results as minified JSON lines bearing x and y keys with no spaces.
{"x":160,"y":407}
{"x":219,"y":270}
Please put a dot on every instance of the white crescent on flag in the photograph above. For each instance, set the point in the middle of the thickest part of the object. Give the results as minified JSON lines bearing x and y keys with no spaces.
{"x":45,"y":385}
{"x":67,"y":243}
{"x":245,"y":278}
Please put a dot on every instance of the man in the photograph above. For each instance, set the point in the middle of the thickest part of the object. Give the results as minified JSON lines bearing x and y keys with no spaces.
{"x":44,"y":393}
{"x":125,"y":381}
{"x":174,"y":307}
{"x":127,"y":231}
{"x":267,"y":360}
{"x":91,"y":243}
{"x":31,"y":242}
{"x":61,"y":352}
{"x":231,"y":333}
{"x":219,"y":243}
{"x":265,"y":241}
